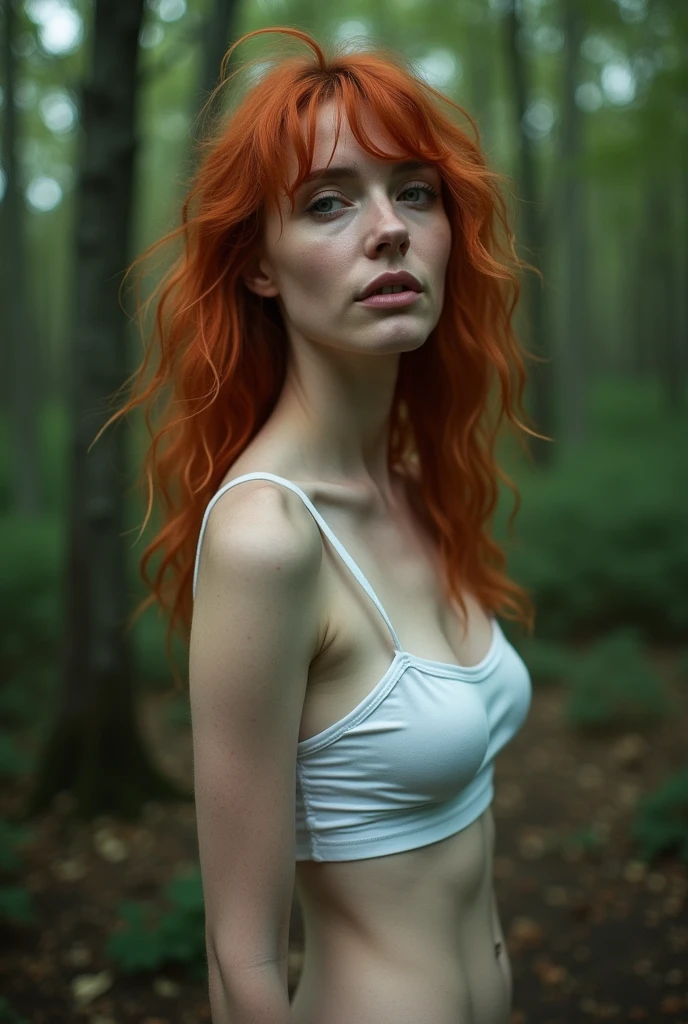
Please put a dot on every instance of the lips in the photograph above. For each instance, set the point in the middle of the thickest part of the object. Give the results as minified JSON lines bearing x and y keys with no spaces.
{"x":390,"y":278}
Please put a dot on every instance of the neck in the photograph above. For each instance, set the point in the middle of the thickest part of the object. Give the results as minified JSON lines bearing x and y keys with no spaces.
{"x":339,"y":408}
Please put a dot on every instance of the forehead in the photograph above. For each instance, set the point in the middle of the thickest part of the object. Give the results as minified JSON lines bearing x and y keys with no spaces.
{"x":347,"y":149}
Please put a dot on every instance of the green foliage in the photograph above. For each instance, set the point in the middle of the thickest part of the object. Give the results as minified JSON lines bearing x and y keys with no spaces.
{"x":29,"y":606}
{"x":585,"y":838}
{"x":548,"y":662}
{"x":13,"y":760}
{"x":683,"y":667}
{"x":17,"y":703}
{"x":16,"y":905}
{"x":601,"y":537}
{"x":29,"y":591}
{"x":152,"y":669}
{"x":12,"y":838}
{"x":8,"y":1015}
{"x":178,"y":712}
{"x":150,"y":938}
{"x":661,"y":821}
{"x":613,"y":688}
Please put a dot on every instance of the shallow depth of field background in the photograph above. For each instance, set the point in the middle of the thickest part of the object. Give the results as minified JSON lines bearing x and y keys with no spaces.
{"x":584,"y":105}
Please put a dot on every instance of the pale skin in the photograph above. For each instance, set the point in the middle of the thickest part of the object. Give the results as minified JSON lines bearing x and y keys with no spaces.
{"x":408,"y":938}
{"x":345,"y":356}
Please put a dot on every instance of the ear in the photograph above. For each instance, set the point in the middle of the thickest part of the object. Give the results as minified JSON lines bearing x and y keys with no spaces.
{"x":258,"y":278}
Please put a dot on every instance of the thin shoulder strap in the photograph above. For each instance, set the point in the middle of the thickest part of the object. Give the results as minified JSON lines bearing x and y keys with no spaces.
{"x":321,"y":523}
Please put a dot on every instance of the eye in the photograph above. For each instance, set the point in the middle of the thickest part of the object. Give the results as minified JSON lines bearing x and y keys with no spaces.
{"x":430,"y":192}
{"x":322,"y":199}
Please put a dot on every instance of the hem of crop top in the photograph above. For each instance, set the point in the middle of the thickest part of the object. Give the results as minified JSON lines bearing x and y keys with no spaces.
{"x":399,"y":664}
{"x":443,"y":822}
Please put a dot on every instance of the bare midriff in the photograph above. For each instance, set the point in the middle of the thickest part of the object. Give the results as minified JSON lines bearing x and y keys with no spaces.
{"x":410,"y":938}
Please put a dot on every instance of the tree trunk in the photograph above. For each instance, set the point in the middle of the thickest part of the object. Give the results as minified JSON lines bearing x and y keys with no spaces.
{"x":531,"y":236}
{"x":571,"y":360}
{"x":218,"y":33}
{"x":95,"y":749}
{"x":21,"y":362}
{"x":664,"y":333}
{"x":480,"y":79}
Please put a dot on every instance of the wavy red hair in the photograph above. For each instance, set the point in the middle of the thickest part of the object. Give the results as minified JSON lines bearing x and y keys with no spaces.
{"x":222,"y":351}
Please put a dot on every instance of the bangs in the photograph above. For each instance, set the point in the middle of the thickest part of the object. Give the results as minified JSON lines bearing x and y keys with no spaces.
{"x":365,"y":100}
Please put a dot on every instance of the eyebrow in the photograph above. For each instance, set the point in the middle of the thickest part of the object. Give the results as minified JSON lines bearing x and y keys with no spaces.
{"x":328,"y":173}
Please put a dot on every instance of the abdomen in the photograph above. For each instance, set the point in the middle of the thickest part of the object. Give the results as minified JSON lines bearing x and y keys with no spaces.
{"x":405,"y":939}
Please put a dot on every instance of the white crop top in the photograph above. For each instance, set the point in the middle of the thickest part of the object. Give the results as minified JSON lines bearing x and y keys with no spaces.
{"x":413,"y":762}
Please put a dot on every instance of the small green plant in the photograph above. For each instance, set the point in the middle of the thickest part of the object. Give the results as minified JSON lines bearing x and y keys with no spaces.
{"x":613,"y":688}
{"x":661,"y":820}
{"x":148,"y":939}
{"x":683,"y":667}
{"x":153,"y":673}
{"x":13,"y":761}
{"x":178,"y":712}
{"x":585,"y":838}
{"x":17,"y":703}
{"x":12,"y":838}
{"x":16,"y":906}
{"x":548,"y":661}
{"x":8,"y":1015}
{"x":595,"y":549}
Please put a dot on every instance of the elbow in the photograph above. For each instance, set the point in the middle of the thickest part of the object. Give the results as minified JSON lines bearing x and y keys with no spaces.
{"x":247,"y":993}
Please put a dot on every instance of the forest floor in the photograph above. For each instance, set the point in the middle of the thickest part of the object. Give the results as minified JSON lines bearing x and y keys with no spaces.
{"x":592,"y":933}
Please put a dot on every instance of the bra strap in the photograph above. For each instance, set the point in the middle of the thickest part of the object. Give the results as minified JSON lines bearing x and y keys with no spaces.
{"x":339,"y":547}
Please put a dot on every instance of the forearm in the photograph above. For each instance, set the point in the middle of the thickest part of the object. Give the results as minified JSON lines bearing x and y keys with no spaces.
{"x":248,"y":996}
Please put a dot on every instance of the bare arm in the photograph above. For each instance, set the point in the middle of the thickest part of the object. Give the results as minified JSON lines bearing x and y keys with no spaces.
{"x":253,"y":635}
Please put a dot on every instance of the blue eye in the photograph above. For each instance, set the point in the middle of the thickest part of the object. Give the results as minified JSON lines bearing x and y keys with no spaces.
{"x":431,"y":193}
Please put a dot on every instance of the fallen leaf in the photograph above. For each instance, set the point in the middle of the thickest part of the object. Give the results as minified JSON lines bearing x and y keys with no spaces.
{"x":87,"y":987}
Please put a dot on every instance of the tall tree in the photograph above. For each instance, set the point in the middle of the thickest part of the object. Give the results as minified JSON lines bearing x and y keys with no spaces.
{"x":218,"y":33}
{"x":663,"y":322}
{"x":94,"y":748}
{"x":21,"y":376}
{"x":532,"y":239}
{"x":573,"y":350}
{"x":480,"y":63}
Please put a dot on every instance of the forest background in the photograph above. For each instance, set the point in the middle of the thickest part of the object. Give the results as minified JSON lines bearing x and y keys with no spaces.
{"x":584,"y":105}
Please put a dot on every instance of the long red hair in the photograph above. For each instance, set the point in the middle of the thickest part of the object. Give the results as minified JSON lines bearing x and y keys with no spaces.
{"x":222,"y":351}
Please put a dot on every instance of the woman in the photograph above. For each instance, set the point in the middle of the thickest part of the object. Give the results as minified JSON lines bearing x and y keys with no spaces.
{"x":328,"y":477}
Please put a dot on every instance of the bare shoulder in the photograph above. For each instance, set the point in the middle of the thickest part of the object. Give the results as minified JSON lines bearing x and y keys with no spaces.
{"x":262,"y":522}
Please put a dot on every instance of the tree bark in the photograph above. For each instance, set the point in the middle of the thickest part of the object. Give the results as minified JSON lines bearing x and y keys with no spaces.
{"x":532,"y":244}
{"x":663,"y":335}
{"x":22,"y":382}
{"x":95,"y":749}
{"x":216,"y":37}
{"x":571,"y":359}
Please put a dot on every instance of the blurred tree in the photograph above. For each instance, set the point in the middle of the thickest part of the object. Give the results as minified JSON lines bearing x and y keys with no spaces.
{"x":481,"y":74}
{"x":573,"y":338}
{"x":662,"y":269}
{"x":532,"y":234}
{"x":21,"y":364}
{"x":218,"y":33}
{"x":94,"y":748}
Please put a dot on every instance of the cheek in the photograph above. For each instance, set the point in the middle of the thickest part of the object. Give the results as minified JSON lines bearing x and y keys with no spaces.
{"x":431,"y":241}
{"x":317,"y":266}
{"x":439,"y":253}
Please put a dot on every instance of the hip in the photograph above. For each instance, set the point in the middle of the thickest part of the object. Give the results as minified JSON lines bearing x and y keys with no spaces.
{"x":357,"y":985}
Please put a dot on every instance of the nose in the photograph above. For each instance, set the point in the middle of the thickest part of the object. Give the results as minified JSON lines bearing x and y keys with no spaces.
{"x":388,"y":231}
